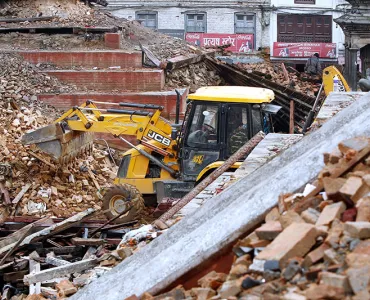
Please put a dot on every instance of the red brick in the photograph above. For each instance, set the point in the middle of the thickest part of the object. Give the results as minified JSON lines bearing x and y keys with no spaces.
{"x":140,"y":80}
{"x":98,"y":58}
{"x":112,"y":40}
{"x":349,"y":215}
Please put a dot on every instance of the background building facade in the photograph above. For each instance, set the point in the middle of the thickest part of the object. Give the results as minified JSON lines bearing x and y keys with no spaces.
{"x":207,"y":19}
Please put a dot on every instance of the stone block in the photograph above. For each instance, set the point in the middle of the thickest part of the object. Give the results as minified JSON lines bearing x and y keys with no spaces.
{"x":290,"y":217}
{"x":363,"y":210}
{"x":269,"y":231}
{"x":323,"y":291}
{"x":331,"y":212}
{"x":358,"y":278}
{"x":230,"y":288}
{"x":360,"y":230}
{"x":296,"y":240}
{"x":336,"y":280}
{"x":354,"y":188}
{"x":315,"y":255}
{"x":332,"y":187}
{"x":310,"y":215}
{"x":65,"y":288}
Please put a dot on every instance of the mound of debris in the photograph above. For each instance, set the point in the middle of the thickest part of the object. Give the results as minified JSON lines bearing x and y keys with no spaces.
{"x":193,"y":76}
{"x":54,"y":13}
{"x":34,"y":184}
{"x":20,"y":80}
{"x":312,"y":246}
{"x":288,"y":77}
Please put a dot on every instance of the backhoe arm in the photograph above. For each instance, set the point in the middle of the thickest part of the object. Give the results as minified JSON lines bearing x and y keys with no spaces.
{"x":70,"y":133}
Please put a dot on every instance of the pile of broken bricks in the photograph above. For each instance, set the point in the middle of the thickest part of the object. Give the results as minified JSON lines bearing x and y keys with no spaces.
{"x":313,"y":245}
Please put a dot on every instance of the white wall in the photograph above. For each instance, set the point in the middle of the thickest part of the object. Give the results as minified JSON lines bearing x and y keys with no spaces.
{"x":219,"y":20}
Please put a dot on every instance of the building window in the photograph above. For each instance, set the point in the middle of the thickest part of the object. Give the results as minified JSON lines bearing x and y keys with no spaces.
{"x":147,"y":18}
{"x":304,"y":2}
{"x":196,"y":22}
{"x":244,"y":23}
{"x":302,"y":28}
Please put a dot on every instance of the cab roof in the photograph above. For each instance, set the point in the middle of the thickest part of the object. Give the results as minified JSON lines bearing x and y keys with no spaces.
{"x":238,"y":94}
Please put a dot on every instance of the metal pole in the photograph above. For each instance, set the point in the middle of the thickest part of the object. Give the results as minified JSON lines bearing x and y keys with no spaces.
{"x":246,"y":149}
{"x":312,"y":111}
{"x":291,"y":117}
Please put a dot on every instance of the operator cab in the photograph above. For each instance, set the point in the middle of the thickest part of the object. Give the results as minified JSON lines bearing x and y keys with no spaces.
{"x":219,"y":121}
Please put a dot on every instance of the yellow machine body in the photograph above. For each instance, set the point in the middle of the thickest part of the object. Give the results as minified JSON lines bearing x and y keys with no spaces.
{"x":153,"y":133}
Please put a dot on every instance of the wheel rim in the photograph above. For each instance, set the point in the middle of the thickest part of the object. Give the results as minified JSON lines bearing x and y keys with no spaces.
{"x":118,"y":204}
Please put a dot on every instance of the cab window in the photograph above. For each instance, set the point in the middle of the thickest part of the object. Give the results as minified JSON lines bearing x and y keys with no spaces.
{"x":237,"y":128}
{"x":203,"y":129}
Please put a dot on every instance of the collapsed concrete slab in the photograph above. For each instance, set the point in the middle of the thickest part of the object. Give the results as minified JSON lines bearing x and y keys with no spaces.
{"x":222,"y":220}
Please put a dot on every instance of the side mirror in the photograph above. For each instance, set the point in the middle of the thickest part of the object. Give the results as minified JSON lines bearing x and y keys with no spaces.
{"x":271,"y":108}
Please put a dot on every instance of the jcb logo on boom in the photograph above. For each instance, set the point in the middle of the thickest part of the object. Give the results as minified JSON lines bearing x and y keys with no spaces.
{"x":159,"y":138}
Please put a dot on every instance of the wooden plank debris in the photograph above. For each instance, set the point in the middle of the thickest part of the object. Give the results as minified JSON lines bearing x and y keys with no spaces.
{"x":49,"y":231}
{"x":42,"y":159}
{"x":21,"y":193}
{"x":87,"y":242}
{"x":149,"y":54}
{"x":35,"y":267}
{"x":33,"y":19}
{"x":60,"y":271}
{"x":5,"y":192}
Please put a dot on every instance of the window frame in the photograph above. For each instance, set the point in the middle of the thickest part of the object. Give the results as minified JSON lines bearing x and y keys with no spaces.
{"x":245,"y":14}
{"x":195,"y":13}
{"x":147,"y":13}
{"x":304,"y":1}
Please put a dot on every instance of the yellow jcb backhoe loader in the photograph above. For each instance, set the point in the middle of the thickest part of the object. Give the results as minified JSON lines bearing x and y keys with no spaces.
{"x":170,"y":159}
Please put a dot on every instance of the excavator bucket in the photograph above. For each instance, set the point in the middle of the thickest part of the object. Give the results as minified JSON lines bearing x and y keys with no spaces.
{"x":60,"y":143}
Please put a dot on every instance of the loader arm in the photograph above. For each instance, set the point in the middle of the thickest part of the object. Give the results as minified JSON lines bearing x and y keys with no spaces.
{"x":327,"y":79}
{"x":115,"y":121}
{"x":73,"y":130}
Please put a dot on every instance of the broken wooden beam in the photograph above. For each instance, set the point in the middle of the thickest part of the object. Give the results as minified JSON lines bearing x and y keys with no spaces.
{"x":21,"y":193}
{"x":185,"y":60}
{"x":17,"y":20}
{"x":87,"y":242}
{"x":51,"y":230}
{"x":5,"y":192}
{"x":56,"y":261}
{"x":60,"y":271}
{"x":35,"y":267}
{"x":149,"y":54}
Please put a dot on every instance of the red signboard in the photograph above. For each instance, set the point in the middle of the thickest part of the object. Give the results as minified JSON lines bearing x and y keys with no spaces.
{"x":325,"y":50}
{"x":242,"y":43}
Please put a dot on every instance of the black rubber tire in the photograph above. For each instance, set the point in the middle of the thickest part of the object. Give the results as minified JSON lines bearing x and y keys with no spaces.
{"x":127,"y":193}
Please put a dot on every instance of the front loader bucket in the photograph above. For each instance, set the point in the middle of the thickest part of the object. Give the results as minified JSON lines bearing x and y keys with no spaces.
{"x":60,"y":143}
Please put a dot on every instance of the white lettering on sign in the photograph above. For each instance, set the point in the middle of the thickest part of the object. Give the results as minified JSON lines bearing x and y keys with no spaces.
{"x":159,"y":138}
{"x":193,"y":36}
{"x":228,"y":40}
{"x":211,"y":41}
